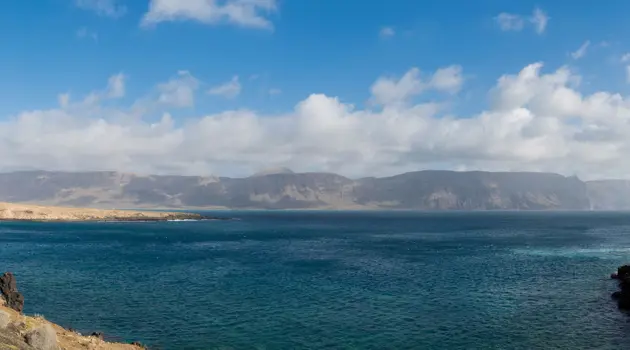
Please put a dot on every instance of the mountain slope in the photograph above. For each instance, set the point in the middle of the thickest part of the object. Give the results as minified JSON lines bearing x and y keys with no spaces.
{"x":437,"y":190}
{"x":609,"y":194}
{"x":423,"y":190}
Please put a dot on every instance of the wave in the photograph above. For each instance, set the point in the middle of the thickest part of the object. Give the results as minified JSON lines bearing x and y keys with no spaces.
{"x":601,"y":252}
{"x":170,"y":220}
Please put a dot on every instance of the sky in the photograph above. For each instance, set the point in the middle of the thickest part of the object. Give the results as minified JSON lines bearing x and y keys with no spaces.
{"x":359,"y":88}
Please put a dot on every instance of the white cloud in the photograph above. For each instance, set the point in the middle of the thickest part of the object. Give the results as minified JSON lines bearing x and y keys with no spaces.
{"x":625,"y":58}
{"x":275,"y":91}
{"x":108,"y":8}
{"x":246,"y":13}
{"x":84,"y":32}
{"x":447,"y":79}
{"x":628,"y":74}
{"x":581,"y":51}
{"x":389,"y":91}
{"x":115,"y":89}
{"x":539,"y":19}
{"x":229,"y":89}
{"x":64,"y":100}
{"x":514,"y":22}
{"x":178,"y":91}
{"x":538,"y":121}
{"x":116,"y":86}
{"x":510,"y":22}
{"x":387,"y":32}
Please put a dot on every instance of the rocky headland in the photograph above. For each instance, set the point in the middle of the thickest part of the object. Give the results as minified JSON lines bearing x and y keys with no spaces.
{"x":27,"y":212}
{"x":622,"y":296}
{"x":21,"y":332}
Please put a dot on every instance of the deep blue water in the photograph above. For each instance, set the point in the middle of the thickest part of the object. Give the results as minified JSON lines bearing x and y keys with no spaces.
{"x":324,"y":280}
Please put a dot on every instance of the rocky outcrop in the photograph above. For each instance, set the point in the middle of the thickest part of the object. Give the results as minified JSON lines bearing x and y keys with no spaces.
{"x":623,"y":295}
{"x":8,"y":288}
{"x":19,"y":331}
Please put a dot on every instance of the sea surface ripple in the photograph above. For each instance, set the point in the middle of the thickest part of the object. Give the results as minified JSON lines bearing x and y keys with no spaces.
{"x":331,"y":280}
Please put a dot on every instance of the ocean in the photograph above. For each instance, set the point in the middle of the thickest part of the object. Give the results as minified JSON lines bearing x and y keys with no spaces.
{"x":331,"y":280}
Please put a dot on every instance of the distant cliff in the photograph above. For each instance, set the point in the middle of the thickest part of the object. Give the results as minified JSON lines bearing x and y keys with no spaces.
{"x":609,"y":194}
{"x":439,"y":190}
{"x":283,"y":189}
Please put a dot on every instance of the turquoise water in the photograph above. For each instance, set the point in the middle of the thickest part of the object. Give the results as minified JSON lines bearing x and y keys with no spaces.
{"x":321,"y":280}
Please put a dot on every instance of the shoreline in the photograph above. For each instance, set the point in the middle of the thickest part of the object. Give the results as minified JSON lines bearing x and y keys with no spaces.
{"x":38,"y":213}
{"x":127,"y":220}
{"x":20,"y":331}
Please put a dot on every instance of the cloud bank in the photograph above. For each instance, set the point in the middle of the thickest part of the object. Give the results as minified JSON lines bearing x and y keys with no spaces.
{"x":536,"y":121}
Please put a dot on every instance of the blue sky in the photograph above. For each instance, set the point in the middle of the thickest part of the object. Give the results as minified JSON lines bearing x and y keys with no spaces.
{"x":358,"y":87}
{"x":326,"y":46}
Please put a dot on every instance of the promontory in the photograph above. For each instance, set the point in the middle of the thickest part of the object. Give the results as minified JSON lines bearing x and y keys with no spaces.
{"x":27,"y":212}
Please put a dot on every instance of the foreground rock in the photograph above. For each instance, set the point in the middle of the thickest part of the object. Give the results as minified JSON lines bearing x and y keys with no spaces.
{"x":26,"y":212}
{"x":9,"y":294}
{"x":20,"y":332}
{"x":623,"y":295}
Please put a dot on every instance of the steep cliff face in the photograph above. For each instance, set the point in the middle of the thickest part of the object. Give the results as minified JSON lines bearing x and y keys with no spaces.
{"x":438,"y":190}
{"x":423,"y":190}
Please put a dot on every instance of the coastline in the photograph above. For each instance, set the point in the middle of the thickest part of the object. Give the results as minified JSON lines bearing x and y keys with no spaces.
{"x":19,"y":331}
{"x":39,"y":213}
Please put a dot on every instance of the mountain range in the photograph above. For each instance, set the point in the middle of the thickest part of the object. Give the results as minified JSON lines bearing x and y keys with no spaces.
{"x":284,"y":189}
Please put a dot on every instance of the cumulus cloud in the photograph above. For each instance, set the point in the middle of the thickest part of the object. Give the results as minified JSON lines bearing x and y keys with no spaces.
{"x":538,"y":121}
{"x":515,"y":22}
{"x":391,"y":91}
{"x":387,"y":32}
{"x":447,"y":79}
{"x":107,"y":8}
{"x":116,"y":86}
{"x":581,"y":51}
{"x":246,"y":13}
{"x":115,"y":89}
{"x":229,"y":89}
{"x":178,"y":91}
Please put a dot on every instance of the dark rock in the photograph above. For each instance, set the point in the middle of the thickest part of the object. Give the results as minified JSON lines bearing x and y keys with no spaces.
{"x":98,"y":335}
{"x":623,"y":281}
{"x":139,"y":344}
{"x":623,"y":303}
{"x":8,"y":289}
{"x":623,"y":271}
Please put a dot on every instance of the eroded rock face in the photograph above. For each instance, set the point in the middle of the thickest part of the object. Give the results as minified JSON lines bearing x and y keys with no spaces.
{"x":9,"y":292}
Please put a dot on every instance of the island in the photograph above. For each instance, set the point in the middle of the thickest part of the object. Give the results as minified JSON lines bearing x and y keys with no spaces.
{"x":28,"y":212}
